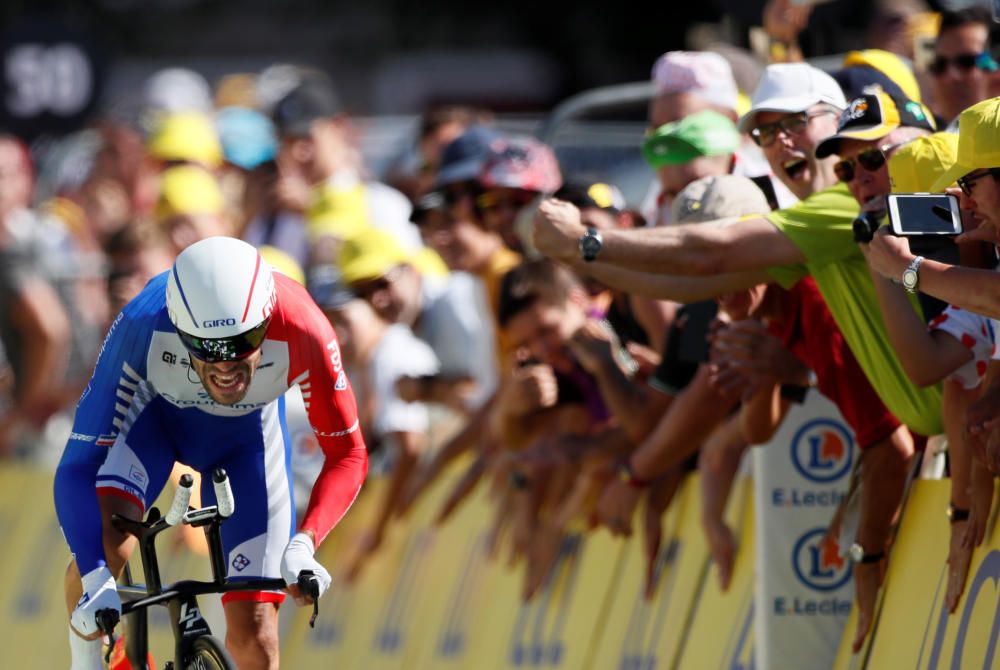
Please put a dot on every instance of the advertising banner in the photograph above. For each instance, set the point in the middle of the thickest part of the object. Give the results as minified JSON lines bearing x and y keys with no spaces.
{"x":804,"y":588}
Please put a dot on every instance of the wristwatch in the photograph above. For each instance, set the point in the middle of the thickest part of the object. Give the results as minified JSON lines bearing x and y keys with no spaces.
{"x":857,"y":555}
{"x":626,"y":474}
{"x":910,"y":274}
{"x":957,"y":513}
{"x":591,"y":244}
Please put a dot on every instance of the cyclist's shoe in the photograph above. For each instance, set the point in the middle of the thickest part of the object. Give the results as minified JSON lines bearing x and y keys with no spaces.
{"x":99,"y":593}
{"x":119,"y":661}
{"x":298,"y":556}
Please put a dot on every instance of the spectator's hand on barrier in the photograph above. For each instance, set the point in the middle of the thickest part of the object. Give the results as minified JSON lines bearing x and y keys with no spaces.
{"x":593,"y":346}
{"x":981,"y":497}
{"x":982,"y":420}
{"x":616,"y":507}
{"x":722,"y":546}
{"x":299,"y":555}
{"x":888,"y":254}
{"x":366,"y":545}
{"x":99,"y":592}
{"x":658,"y":499}
{"x":557,"y":229}
{"x":959,"y":560}
{"x":867,"y":577}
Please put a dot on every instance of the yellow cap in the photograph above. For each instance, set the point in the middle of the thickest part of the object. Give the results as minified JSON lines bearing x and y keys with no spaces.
{"x":429,"y":263}
{"x":889,"y":64}
{"x":978,"y":142}
{"x":743,"y":104}
{"x":369,"y":255}
{"x":186,"y":136}
{"x":917,"y":165}
{"x":283,"y":263}
{"x":188,"y":190}
{"x":337,"y":211}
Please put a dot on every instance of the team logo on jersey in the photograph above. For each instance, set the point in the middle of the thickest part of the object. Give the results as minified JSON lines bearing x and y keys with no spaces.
{"x":169,"y":357}
{"x":241,"y":562}
{"x":335,"y":359}
{"x":341,"y":382}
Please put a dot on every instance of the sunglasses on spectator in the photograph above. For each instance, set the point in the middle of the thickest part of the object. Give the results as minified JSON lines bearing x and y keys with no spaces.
{"x":870,"y":159}
{"x":454,"y":195}
{"x":964,"y":62}
{"x":968,"y":181}
{"x":765,"y":134}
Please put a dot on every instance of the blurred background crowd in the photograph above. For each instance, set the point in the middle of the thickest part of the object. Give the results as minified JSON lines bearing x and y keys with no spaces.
{"x":404,"y":197}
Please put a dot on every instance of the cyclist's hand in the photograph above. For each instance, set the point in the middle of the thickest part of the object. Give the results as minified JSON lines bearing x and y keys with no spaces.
{"x":99,"y":593}
{"x":298,"y":556}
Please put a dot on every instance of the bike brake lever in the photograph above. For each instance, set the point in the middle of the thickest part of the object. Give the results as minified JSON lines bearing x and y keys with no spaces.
{"x":107,"y":619}
{"x":309,"y":586}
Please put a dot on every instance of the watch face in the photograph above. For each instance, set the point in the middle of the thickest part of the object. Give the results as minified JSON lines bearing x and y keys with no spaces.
{"x":909,"y":278}
{"x":856,"y":552}
{"x":590,"y":245}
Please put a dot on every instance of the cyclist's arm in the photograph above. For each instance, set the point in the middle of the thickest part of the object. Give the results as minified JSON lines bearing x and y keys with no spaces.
{"x":121,"y":368}
{"x":317,"y":368}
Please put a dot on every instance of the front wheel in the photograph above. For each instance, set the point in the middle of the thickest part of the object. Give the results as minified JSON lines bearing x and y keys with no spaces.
{"x":208,"y":653}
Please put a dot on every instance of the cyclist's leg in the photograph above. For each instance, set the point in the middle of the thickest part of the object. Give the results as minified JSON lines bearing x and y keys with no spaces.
{"x":255,"y":537}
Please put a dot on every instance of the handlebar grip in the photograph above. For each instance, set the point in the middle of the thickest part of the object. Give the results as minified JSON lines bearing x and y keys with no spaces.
{"x":223,"y":493}
{"x":107,"y":620}
{"x":309,"y":586}
{"x":179,"y":506}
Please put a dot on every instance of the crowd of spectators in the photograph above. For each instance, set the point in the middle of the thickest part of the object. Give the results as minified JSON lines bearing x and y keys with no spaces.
{"x":586,"y":352}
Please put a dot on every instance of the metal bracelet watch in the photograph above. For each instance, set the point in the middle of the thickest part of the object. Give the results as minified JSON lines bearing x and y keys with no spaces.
{"x":857,"y":555}
{"x":591,"y":244}
{"x":911,"y":275}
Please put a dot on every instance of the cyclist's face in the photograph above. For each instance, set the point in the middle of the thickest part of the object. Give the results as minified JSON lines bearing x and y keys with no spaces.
{"x":227,"y":383}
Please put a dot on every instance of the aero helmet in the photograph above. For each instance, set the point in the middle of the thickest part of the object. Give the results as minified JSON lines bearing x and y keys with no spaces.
{"x":220,"y":295}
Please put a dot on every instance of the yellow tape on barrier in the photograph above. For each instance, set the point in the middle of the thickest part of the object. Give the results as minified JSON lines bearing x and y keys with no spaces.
{"x":914,"y":629}
{"x":721,"y":632}
{"x":643,"y":633}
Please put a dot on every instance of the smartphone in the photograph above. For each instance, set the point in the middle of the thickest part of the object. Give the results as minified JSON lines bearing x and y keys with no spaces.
{"x":916,"y":214}
{"x":996,"y":10}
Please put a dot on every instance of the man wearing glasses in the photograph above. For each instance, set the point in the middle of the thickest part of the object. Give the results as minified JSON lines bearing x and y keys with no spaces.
{"x":977,"y":171}
{"x":962,"y":63}
{"x":790,"y":117}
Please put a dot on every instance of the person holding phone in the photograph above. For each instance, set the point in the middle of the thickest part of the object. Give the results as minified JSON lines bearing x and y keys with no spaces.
{"x":953,"y":347}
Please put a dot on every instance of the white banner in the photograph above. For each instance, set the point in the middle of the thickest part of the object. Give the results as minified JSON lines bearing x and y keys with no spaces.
{"x":804,"y":588}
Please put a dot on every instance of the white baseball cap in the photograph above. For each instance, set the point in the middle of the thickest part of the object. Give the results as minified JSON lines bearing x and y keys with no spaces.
{"x":790,"y":88}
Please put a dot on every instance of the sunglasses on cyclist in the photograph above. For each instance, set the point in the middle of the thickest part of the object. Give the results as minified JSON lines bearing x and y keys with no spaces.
{"x":870,"y":159}
{"x":966,"y":183}
{"x":964,"y":62}
{"x":765,"y":134}
{"x":225,"y":349}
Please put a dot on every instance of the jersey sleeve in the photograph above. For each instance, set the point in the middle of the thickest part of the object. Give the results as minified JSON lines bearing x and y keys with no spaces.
{"x":315,"y":365}
{"x":121,"y":367}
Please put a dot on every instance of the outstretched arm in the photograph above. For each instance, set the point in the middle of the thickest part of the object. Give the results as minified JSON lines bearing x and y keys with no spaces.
{"x":725,"y":245}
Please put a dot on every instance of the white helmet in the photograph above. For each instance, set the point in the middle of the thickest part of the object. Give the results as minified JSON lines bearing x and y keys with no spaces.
{"x":220,"y":295}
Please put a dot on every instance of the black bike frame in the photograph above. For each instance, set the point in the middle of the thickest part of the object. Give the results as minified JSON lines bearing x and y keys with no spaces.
{"x":181,"y":597}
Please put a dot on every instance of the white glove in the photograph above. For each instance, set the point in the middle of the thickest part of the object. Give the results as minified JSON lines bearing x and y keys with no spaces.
{"x":99,"y":592}
{"x":298,"y":556}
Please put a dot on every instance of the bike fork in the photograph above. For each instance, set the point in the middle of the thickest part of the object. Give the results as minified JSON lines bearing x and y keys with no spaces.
{"x":188,"y":625}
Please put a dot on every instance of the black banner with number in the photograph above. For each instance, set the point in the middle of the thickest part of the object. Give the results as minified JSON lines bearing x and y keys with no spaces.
{"x":51,"y":78}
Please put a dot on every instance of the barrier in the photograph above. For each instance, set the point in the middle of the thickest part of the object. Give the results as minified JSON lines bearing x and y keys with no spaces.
{"x":433,"y":598}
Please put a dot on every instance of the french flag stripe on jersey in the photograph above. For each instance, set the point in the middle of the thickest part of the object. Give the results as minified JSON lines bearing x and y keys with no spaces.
{"x":253,"y":282}
{"x":180,"y":289}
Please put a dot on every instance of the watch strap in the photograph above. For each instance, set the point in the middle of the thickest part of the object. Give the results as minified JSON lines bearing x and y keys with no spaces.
{"x":626,"y":474}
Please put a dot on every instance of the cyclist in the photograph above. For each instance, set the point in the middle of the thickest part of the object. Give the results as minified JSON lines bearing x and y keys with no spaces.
{"x":195,"y":369}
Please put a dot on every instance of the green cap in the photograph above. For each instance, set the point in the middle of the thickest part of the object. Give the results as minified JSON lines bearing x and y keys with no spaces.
{"x":706,"y":133}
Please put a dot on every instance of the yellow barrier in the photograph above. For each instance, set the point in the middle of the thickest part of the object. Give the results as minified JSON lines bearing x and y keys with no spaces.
{"x":914,"y":628}
{"x":432,"y":598}
{"x":721,"y":633}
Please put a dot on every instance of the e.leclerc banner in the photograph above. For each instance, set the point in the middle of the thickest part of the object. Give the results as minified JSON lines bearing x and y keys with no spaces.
{"x":803,"y":587}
